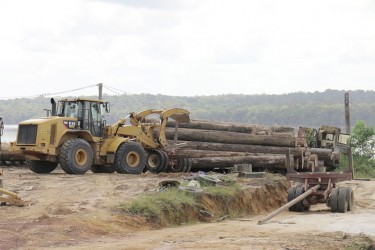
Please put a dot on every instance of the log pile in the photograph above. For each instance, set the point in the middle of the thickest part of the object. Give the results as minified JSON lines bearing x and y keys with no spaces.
{"x":211,"y":144}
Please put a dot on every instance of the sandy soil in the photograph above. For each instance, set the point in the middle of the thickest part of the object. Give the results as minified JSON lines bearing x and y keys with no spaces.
{"x":81,"y":212}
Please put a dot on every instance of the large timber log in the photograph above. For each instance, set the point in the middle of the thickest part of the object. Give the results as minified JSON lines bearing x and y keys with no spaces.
{"x":234,"y":127}
{"x":264,"y":161}
{"x":213,"y":146}
{"x":193,"y":153}
{"x":331,"y":157}
{"x":186,"y":134}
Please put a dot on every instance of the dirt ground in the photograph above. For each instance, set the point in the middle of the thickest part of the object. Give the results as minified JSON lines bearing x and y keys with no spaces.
{"x":81,"y":212}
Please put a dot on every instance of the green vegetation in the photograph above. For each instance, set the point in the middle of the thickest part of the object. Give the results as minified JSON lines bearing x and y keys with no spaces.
{"x":154,"y":204}
{"x":362,"y":144}
{"x":294,"y":109}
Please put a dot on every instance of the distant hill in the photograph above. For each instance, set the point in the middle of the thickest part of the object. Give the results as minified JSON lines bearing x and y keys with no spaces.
{"x":294,"y":109}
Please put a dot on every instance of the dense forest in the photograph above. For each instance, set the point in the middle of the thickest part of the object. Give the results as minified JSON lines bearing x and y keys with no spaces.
{"x":294,"y":109}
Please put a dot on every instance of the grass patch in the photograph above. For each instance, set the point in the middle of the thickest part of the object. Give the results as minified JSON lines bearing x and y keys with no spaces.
{"x":363,"y":167}
{"x":155,"y":204}
{"x":223,"y":191}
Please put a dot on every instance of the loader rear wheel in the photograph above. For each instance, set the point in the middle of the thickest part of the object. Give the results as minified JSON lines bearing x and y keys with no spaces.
{"x":333,"y":197}
{"x":130,"y":158}
{"x":291,"y":196}
{"x":76,"y":156}
{"x":166,"y":164}
{"x":155,"y":161}
{"x":342,"y":200}
{"x":41,"y":167}
{"x":102,"y":169}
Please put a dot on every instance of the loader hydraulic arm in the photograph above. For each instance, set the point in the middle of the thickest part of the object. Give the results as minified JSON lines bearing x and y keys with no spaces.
{"x":179,"y":115}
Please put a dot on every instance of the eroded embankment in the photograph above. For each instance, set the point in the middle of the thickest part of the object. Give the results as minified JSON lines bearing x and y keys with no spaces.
{"x":246,"y":197}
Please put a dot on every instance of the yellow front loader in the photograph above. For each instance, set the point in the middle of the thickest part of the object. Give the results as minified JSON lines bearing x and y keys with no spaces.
{"x":77,"y":137}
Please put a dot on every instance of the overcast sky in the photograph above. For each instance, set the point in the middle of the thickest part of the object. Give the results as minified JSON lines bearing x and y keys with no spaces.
{"x":186,"y":47}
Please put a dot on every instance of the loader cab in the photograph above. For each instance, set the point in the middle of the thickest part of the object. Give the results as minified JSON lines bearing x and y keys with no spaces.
{"x":89,"y":114}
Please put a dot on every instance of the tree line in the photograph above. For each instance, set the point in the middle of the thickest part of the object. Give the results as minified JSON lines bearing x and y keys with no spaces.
{"x":293,"y":109}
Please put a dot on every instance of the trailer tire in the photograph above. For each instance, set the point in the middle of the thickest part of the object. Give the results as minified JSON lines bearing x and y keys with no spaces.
{"x":76,"y":156}
{"x":291,"y":196}
{"x":299,"y":205}
{"x":342,"y":201}
{"x":179,"y":167}
{"x":102,"y":169}
{"x":190,"y":164}
{"x":130,"y":158}
{"x":350,"y":199}
{"x":155,"y":161}
{"x":41,"y":167}
{"x":333,"y":200}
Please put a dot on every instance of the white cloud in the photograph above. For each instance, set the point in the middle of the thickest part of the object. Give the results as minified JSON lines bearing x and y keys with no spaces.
{"x":186,"y":47}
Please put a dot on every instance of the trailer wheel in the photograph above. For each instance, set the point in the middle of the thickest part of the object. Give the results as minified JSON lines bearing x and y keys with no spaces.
{"x":333,"y":200}
{"x":155,"y":161}
{"x":41,"y":167}
{"x":130,"y":158}
{"x":190,"y":164}
{"x":166,"y":164}
{"x":76,"y":156}
{"x":342,"y":201}
{"x":350,"y":199}
{"x":299,"y":205}
{"x":102,"y":169}
{"x":180,"y":166}
{"x":291,"y":196}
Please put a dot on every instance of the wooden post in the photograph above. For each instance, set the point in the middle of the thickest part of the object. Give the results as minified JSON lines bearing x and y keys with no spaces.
{"x":347,"y":113}
{"x":289,"y":204}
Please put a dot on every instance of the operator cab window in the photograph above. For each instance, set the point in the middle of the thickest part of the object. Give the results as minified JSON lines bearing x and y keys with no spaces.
{"x":328,"y":137}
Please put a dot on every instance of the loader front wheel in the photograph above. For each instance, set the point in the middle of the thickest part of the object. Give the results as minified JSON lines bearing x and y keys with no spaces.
{"x":130,"y":158}
{"x":76,"y":156}
{"x":41,"y":167}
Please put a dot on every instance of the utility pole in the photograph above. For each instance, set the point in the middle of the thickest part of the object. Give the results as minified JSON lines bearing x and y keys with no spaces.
{"x":100,"y":90}
{"x":347,"y":123}
{"x":347,"y":113}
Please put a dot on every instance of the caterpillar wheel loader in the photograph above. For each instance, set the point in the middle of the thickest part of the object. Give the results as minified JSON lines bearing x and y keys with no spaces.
{"x":77,"y":137}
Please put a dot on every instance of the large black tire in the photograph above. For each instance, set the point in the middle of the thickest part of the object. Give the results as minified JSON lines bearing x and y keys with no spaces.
{"x":166,"y":164}
{"x":342,"y":201}
{"x":179,"y":167}
{"x":155,"y":161}
{"x":291,"y":196}
{"x":299,"y":205}
{"x":350,"y":199}
{"x":333,"y":200}
{"x":41,"y":167}
{"x":102,"y":169}
{"x":76,"y":156}
{"x":190,"y":164}
{"x":130,"y":158}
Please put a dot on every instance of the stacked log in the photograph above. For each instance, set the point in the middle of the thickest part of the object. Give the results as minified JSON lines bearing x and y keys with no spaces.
{"x":211,"y":144}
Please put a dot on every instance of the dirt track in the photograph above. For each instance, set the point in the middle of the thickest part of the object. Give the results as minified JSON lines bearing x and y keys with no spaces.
{"x":80,"y":212}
